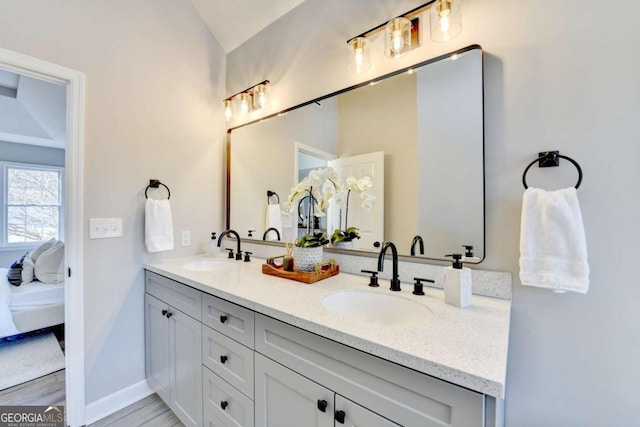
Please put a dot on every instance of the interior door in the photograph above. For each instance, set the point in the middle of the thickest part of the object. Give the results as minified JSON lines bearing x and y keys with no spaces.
{"x":370,"y":223}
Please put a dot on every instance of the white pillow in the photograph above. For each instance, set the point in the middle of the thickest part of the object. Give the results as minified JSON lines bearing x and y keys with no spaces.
{"x":27,"y":269}
{"x":50,"y":264}
{"x":41,"y":249}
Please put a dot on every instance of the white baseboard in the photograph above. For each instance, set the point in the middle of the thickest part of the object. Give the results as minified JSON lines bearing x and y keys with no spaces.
{"x":106,"y":406}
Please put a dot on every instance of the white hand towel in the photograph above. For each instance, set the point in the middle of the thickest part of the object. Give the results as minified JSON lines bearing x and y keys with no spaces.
{"x":553,"y":247}
{"x":273,"y":219}
{"x":158,"y":225}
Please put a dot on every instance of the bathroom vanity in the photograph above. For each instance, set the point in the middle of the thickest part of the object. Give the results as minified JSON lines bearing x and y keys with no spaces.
{"x":229,"y":346}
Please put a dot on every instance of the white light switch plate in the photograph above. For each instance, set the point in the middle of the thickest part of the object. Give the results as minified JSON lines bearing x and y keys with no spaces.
{"x":105,"y":228}
{"x":186,"y":238}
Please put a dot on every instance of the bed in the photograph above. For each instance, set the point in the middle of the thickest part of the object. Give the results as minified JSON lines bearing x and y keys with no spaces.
{"x":30,"y":306}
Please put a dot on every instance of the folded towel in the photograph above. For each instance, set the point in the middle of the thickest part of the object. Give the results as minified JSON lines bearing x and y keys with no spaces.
{"x":273,"y":219}
{"x":553,"y":247}
{"x":158,"y":225}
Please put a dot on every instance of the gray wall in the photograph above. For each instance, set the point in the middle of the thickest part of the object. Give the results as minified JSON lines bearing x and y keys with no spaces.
{"x":558,"y":75}
{"x":21,"y":153}
{"x":154,"y":85}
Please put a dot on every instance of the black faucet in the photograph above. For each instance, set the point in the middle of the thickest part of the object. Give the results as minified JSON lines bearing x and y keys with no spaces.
{"x":238,"y":251}
{"x":395,"y":282}
{"x":264,"y":236}
{"x":415,"y":240}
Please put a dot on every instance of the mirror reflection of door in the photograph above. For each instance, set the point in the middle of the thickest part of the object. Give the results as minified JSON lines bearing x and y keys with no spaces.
{"x":369,"y":222}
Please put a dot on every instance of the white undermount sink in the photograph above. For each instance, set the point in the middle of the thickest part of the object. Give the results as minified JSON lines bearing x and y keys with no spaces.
{"x":376,"y":307}
{"x":212,"y":264}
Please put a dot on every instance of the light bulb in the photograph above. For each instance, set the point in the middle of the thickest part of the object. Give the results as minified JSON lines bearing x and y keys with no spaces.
{"x":358,"y":54}
{"x":444,"y":24}
{"x":227,"y":110}
{"x":244,"y":103}
{"x":397,"y":37}
{"x":446,"y":21}
{"x":260,"y":95}
{"x":397,"y":43}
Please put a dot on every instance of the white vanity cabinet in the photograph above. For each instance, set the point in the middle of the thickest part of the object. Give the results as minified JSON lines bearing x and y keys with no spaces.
{"x":173,"y":346}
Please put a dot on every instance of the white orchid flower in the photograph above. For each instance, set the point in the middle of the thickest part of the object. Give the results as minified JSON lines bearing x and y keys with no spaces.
{"x":364,"y":183}
{"x":368,"y":204}
{"x":340,"y":198}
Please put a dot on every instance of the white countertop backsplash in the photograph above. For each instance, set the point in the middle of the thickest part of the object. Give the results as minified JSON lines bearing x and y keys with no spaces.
{"x":467,"y":346}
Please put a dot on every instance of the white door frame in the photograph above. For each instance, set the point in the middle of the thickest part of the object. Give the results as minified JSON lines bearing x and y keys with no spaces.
{"x":74,"y":231}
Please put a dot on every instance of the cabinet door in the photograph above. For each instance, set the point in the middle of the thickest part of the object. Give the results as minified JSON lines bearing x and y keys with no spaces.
{"x":355,"y":415}
{"x":157,"y":363}
{"x":186,"y":372}
{"x":286,"y":399}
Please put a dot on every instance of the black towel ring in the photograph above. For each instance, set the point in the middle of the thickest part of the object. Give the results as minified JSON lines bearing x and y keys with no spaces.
{"x":155,"y":183}
{"x":271,"y":194}
{"x":550,"y":159}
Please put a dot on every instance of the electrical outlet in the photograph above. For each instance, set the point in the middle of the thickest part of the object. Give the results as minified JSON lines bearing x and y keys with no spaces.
{"x":186,"y":238}
{"x":105,"y":228}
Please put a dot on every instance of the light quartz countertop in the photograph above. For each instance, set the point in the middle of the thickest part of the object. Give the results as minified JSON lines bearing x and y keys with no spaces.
{"x":467,"y":347}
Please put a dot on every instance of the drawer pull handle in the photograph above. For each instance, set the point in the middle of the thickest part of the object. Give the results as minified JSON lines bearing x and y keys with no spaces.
{"x":340,"y":416}
{"x":223,"y":319}
{"x":322,"y":405}
{"x":169,"y":314}
{"x":223,"y":359}
{"x":224,"y":405}
{"x":164,"y":312}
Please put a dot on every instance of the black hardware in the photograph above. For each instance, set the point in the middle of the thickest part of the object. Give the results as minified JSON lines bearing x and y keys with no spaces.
{"x":376,"y":244}
{"x":214,"y":236}
{"x":247,"y":256}
{"x":271,"y":194}
{"x":250,"y":232}
{"x":373,"y":280}
{"x":418,"y":287}
{"x":68,"y":271}
{"x":456,"y":260}
{"x":239,"y":256}
{"x":322,"y":405}
{"x":230,"y":252}
{"x":224,"y":405}
{"x":223,"y":318}
{"x":223,"y":359}
{"x":420,"y":242}
{"x":164,"y":312}
{"x":395,"y":281}
{"x":236,"y":235}
{"x":264,"y":236}
{"x":155,"y":183}
{"x":169,"y":314}
{"x":339,"y":416}
{"x":469,"y":251}
{"x":547,"y":159}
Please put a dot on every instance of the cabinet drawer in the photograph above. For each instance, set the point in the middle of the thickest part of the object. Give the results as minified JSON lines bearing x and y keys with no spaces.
{"x":177,"y":295}
{"x":229,"y":319}
{"x":223,"y":404}
{"x":230,"y":360}
{"x":399,"y":394}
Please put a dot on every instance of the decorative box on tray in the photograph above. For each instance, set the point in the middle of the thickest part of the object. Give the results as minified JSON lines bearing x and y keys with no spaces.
{"x":322,"y":270}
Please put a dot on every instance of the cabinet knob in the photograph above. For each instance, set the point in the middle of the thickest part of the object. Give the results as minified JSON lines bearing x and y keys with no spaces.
{"x":322,"y":405}
{"x":224,"y":405}
{"x":164,"y":312}
{"x":223,"y":359}
{"x":223,"y":318}
{"x":339,"y":415}
{"x":169,"y":314}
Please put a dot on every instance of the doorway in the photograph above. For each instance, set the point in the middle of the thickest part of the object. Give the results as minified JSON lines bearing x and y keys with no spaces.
{"x":73,"y":222}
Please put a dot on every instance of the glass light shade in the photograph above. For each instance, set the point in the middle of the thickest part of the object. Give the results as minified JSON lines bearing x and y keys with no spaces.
{"x":245,"y":102}
{"x":445,"y":20}
{"x":397,"y":38}
{"x":260,"y":96}
{"x":228,"y":112}
{"x":358,"y":54}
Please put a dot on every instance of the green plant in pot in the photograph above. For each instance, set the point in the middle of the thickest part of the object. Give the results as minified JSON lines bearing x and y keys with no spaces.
{"x":344,"y":238}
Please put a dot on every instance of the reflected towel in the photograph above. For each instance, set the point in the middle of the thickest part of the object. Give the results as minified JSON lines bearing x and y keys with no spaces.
{"x":273,"y":219}
{"x":553,"y":247}
{"x":158,"y":226}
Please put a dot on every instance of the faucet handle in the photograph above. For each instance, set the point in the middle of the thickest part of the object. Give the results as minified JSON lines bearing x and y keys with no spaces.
{"x":418,"y":286}
{"x":247,"y":256}
{"x":373,"y":280}
{"x":239,"y":256}
{"x":230,"y":252}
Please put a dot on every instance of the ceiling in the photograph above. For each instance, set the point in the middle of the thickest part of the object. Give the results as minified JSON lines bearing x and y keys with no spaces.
{"x":233,"y":22}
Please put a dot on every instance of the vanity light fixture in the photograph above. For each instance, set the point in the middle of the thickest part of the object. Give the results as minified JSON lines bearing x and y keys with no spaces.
{"x":402,"y":33}
{"x":251,"y":99}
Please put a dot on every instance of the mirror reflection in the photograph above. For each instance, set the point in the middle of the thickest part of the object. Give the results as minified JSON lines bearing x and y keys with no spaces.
{"x":417,"y":137}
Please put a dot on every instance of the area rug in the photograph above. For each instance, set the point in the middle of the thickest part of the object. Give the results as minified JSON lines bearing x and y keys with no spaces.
{"x":29,"y":358}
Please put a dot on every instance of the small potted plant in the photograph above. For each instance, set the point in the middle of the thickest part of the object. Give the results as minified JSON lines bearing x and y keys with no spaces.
{"x":308,"y":251}
{"x":343,"y":239}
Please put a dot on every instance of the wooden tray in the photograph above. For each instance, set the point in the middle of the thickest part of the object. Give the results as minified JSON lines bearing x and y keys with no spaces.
{"x":302,"y":276}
